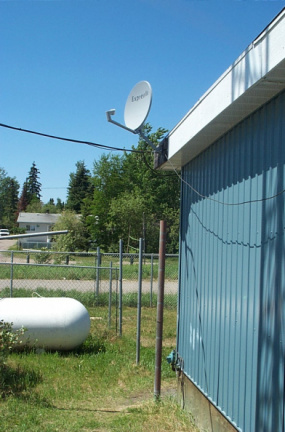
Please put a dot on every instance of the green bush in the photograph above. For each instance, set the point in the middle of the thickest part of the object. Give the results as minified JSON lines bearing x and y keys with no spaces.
{"x":43,"y":257}
{"x":8,"y":340}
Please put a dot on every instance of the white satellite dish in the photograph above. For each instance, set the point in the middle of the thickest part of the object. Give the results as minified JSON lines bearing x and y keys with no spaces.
{"x":138,"y":105}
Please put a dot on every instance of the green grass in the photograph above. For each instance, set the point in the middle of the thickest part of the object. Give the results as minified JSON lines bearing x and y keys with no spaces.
{"x":89,"y":298}
{"x":48,"y":272}
{"x":98,"y":387}
{"x":130,"y":271}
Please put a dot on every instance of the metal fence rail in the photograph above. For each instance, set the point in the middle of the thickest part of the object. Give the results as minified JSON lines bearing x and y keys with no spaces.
{"x":87,"y":272}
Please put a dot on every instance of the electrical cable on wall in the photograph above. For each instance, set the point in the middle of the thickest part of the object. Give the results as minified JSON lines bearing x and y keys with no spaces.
{"x":222,"y":202}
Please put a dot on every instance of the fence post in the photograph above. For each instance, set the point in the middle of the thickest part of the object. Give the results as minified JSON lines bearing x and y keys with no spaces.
{"x":98,"y":272}
{"x":139,"y":301}
{"x":110,"y":294}
{"x":116,"y":301}
{"x":159,"y":319}
{"x":120,"y":287}
{"x":151,"y":279}
{"x":11,"y":274}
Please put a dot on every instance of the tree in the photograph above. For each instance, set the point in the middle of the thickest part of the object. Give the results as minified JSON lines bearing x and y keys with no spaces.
{"x":3,"y":176}
{"x":130,"y":198}
{"x":51,"y":207}
{"x":24,"y":199}
{"x":80,"y":187}
{"x":127,"y":219}
{"x":35,"y":206}
{"x":75,"y":240}
{"x":11,"y":202}
{"x":33,"y":184}
{"x":108,"y":183}
{"x":160,"y":189}
{"x":59,"y":205}
{"x":9,"y":190}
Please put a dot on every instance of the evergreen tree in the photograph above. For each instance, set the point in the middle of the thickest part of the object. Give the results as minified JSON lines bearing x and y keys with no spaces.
{"x":24,"y":199}
{"x":51,"y":207}
{"x":80,"y":187}
{"x":10,"y":208}
{"x":59,"y":205}
{"x":33,"y":184}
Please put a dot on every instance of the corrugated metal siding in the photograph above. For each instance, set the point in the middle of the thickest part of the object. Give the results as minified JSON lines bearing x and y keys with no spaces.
{"x":232,"y":281}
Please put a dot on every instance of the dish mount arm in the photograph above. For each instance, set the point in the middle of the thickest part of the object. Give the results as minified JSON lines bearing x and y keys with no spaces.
{"x":137,"y":131}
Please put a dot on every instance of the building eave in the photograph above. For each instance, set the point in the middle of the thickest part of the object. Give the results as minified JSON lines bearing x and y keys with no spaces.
{"x":255,"y":78}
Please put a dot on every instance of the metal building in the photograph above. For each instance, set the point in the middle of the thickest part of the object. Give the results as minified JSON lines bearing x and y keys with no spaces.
{"x":230,"y":148}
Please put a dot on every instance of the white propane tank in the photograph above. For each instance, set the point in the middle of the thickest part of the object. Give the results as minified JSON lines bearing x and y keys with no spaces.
{"x":56,"y":323}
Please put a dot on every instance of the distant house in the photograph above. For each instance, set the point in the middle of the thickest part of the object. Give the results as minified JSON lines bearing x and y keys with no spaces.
{"x":36,"y":223}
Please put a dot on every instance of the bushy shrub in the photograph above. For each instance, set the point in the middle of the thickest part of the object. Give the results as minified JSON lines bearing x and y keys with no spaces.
{"x":43,"y":257}
{"x":8,"y":340}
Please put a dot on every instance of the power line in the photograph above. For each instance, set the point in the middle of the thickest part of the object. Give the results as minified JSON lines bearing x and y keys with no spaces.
{"x":92,"y":144}
{"x":105,"y":147}
{"x":57,"y":187}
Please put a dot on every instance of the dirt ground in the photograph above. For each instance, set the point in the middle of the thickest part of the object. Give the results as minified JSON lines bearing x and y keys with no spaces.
{"x":5,"y":245}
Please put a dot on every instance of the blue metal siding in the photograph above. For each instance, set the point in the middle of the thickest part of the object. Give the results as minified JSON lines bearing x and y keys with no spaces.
{"x":232,"y":282}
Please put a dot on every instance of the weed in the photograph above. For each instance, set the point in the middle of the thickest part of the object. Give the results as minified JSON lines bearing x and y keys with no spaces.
{"x":99,"y":386}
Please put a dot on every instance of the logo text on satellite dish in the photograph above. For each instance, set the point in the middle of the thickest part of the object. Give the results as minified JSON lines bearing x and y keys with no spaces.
{"x":137,"y":98}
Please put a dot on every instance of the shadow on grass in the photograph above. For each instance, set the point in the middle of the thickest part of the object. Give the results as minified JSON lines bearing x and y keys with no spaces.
{"x":17,"y":381}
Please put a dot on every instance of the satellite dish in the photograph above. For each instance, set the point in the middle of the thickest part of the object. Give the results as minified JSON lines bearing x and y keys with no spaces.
{"x":138,"y":105}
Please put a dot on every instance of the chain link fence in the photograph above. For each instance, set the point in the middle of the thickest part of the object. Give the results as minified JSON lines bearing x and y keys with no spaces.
{"x":94,"y":273}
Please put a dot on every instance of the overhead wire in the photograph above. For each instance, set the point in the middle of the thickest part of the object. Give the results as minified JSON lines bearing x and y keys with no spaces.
{"x":90,"y":143}
{"x":112,"y":148}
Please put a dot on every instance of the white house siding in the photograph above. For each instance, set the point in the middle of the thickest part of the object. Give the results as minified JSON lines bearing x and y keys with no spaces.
{"x":36,"y":223}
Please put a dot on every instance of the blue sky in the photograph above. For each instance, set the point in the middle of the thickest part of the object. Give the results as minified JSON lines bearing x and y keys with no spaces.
{"x":64,"y":63}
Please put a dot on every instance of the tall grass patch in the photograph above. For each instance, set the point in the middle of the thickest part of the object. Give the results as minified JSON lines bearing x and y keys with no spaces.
{"x":99,"y":386}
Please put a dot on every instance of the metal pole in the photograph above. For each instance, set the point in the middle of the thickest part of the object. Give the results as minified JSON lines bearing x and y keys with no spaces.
{"x":139,"y":300}
{"x":121,"y":287}
{"x":144,"y":234}
{"x":11,"y":274}
{"x":98,"y":272}
{"x":116,"y":301}
{"x":159,"y":319}
{"x":110,"y":294}
{"x":151,"y":279}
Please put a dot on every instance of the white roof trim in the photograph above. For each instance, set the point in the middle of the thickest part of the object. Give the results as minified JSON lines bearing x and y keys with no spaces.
{"x":38,"y":218}
{"x":254,"y":78}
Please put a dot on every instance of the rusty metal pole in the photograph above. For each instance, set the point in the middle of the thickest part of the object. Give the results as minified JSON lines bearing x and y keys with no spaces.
{"x":121,"y":288}
{"x":139,"y":301}
{"x":159,"y":316}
